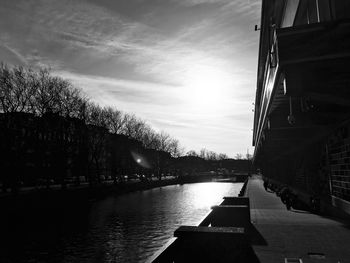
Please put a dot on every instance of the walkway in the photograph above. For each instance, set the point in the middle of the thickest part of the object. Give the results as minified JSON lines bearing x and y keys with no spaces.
{"x":294,"y":234}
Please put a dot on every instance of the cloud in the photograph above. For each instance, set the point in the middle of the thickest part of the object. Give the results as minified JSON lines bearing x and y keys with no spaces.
{"x":10,"y":54}
{"x":144,"y":56}
{"x":109,"y":91}
{"x":89,"y":32}
{"x":151,"y":101}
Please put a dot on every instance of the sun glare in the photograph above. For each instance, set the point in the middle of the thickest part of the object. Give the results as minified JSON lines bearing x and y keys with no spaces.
{"x":207,"y":194}
{"x":206,"y":88}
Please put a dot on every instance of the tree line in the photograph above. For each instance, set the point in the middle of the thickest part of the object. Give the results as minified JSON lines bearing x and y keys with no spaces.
{"x":51,"y":132}
{"x":39,"y":92}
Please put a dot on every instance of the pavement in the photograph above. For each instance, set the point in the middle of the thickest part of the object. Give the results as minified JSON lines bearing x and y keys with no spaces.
{"x":294,"y":234}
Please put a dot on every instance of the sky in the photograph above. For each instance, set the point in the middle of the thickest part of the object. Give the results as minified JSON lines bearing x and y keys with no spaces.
{"x":187,"y":67}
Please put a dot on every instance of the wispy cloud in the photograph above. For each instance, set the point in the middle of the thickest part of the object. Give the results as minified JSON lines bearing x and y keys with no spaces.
{"x":143,"y":57}
{"x":109,"y":91}
{"x":10,"y":54}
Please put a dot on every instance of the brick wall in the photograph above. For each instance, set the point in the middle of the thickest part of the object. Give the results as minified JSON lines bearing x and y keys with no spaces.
{"x":339,"y":162}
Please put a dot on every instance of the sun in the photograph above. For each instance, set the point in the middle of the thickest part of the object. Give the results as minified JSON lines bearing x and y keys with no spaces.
{"x":206,"y":88}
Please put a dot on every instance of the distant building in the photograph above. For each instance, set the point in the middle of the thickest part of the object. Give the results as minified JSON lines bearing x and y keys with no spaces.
{"x":123,"y":152}
{"x":41,"y":150}
{"x":302,"y":107}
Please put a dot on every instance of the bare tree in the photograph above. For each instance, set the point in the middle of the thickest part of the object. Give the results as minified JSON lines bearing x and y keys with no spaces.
{"x":5,"y":88}
{"x":20,"y":89}
{"x":203,"y":153}
{"x":15,"y":92}
{"x":115,"y":120}
{"x":97,"y":138}
{"x":164,"y":140}
{"x":96,"y":115}
{"x":150,"y":138}
{"x":192,"y":153}
{"x":238,"y":156}
{"x":212,"y":156}
{"x":133,"y":126}
{"x":222,"y":156}
{"x":53,"y":94}
{"x":175,"y":149}
{"x":72,"y":102}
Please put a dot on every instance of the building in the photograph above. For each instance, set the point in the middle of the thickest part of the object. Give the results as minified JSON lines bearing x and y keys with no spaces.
{"x":302,"y":107}
{"x":41,"y":150}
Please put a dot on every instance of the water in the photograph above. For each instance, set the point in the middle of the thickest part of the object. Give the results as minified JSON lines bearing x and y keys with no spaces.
{"x":127,"y":228}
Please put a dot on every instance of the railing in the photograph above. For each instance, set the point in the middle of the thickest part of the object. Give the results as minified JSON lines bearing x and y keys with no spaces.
{"x":226,"y":225}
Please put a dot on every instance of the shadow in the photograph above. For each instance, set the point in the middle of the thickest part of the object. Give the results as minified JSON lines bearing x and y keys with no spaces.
{"x":346,"y":225}
{"x":255,"y":237}
{"x":303,"y":208}
{"x":300,"y":211}
{"x":344,"y":221}
{"x":210,"y":250}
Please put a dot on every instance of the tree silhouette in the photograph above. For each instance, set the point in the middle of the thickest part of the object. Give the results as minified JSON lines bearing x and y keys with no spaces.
{"x":45,"y":118}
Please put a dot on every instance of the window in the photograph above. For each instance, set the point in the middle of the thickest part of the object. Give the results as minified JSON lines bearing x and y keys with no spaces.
{"x":290,"y":10}
{"x":324,"y":7}
{"x":273,"y":55}
{"x":312,"y":11}
{"x":302,"y":12}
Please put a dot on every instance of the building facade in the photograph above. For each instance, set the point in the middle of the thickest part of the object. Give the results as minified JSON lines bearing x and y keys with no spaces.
{"x":302,"y":105}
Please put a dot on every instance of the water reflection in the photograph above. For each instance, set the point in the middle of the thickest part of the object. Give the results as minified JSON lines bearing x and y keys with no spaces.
{"x":127,"y":228}
{"x":206,"y":195}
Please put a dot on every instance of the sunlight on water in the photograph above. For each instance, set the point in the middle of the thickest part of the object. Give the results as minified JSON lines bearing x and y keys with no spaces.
{"x":207,"y":194}
{"x":126,"y":228}
{"x":138,"y":224}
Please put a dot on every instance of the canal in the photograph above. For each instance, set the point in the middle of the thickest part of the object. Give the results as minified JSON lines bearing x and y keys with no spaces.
{"x":125,"y":228}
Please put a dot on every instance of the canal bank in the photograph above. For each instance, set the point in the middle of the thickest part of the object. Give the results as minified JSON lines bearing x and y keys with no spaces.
{"x":294,"y":234}
{"x":72,"y":195}
{"x":87,"y":192}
